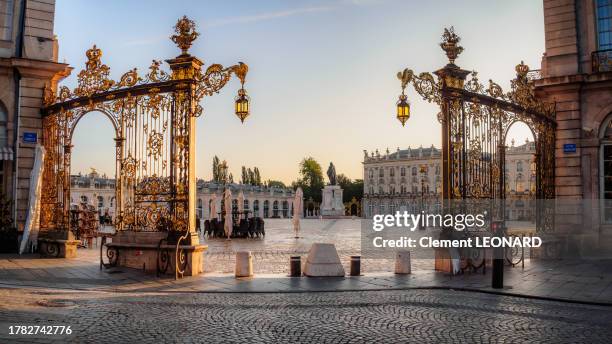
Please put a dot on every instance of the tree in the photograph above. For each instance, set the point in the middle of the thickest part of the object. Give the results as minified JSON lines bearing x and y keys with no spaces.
{"x":355,"y":189}
{"x":251,"y":176}
{"x":343,"y":181}
{"x":350,"y":188}
{"x":311,"y":179}
{"x":257,"y":176}
{"x":276,"y":183}
{"x":245,"y":176}
{"x":215,"y":169}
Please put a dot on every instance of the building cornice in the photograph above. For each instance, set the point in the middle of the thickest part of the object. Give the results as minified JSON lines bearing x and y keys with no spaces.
{"x":31,"y":68}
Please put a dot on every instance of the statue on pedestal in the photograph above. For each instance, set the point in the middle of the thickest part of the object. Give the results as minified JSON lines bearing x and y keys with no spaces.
{"x":332,"y":195}
{"x":331,"y":174}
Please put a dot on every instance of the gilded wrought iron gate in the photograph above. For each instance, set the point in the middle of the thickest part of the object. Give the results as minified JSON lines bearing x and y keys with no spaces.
{"x":475,"y":120}
{"x":154,"y":120}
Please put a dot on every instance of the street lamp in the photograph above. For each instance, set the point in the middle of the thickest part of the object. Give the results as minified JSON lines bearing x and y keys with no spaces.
{"x":403,"y":108}
{"x":242,"y":104}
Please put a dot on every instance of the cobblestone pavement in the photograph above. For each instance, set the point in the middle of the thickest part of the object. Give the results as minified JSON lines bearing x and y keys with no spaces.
{"x":420,"y":316}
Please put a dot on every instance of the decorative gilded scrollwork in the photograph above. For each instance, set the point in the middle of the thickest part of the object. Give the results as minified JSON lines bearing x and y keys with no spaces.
{"x":94,"y":78}
{"x":425,"y":84}
{"x":156,"y":74}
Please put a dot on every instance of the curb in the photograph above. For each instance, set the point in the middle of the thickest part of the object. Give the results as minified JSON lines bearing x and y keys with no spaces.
{"x":460,"y":289}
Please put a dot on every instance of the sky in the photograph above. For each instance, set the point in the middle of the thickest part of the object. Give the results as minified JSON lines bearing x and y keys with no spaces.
{"x":322,"y":74}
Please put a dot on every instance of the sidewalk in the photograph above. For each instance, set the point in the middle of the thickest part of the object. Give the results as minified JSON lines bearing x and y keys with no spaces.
{"x":580,"y":281}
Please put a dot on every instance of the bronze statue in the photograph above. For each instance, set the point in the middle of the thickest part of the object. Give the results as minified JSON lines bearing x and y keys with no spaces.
{"x":331,"y":174}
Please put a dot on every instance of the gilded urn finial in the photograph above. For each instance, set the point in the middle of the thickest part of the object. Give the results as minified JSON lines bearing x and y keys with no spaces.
{"x":185,"y":34}
{"x":450,"y":44}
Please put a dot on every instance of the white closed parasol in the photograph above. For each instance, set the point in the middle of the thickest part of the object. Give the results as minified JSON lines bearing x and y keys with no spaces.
{"x":213,"y":207}
{"x":240,"y":203}
{"x":297,"y":211}
{"x":228,"y":225}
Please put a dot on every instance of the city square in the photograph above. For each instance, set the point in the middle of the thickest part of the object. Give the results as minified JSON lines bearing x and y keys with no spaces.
{"x":149,"y":194}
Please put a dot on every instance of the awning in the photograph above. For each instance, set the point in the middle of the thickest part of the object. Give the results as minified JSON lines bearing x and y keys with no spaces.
{"x":6,"y":153}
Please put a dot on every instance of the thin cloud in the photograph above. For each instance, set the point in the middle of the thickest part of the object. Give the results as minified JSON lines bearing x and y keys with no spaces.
{"x":268,"y":16}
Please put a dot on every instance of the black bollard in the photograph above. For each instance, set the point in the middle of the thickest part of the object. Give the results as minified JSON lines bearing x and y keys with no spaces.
{"x":295,"y":266}
{"x":355,"y":265}
{"x":497,"y":278}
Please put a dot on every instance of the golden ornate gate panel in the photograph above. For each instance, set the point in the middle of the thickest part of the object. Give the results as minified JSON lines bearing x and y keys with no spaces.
{"x":475,"y":120}
{"x":154,"y":119}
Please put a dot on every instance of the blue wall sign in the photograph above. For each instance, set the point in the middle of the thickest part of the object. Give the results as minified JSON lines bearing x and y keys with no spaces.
{"x":29,"y":137}
{"x":569,"y":148}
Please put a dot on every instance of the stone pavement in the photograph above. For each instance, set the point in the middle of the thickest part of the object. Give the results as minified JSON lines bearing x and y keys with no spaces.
{"x":582,"y":281}
{"x":417,"y":316}
{"x":585,"y":281}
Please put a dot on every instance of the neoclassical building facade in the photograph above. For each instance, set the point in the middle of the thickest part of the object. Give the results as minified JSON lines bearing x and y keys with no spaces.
{"x":407,"y":179}
{"x":400,"y":180}
{"x":266,"y":202}
{"x":28,"y":63}
{"x":95,"y":189}
{"x":260,"y":201}
{"x":576,"y":74}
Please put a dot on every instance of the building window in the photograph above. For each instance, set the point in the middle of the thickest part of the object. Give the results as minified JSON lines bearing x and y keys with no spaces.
{"x":285,"y":209}
{"x":275,"y":209}
{"x":3,"y":122}
{"x":245,"y":205}
{"x":604,"y":24}
{"x":414,"y":171}
{"x":256,"y":208}
{"x":371,"y":173}
{"x":607,"y":182}
{"x":6,"y":20}
{"x":84,"y":199}
{"x":380,"y":190}
{"x":519,"y":166}
{"x":403,"y":171}
{"x":266,"y":209}
{"x":392,"y":172}
{"x":381,"y":172}
{"x":100,"y":201}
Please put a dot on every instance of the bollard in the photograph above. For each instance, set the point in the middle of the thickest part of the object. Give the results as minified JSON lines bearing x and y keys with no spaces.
{"x":295,"y":266}
{"x":402,"y":262}
{"x":355,"y":265}
{"x":244,"y":264}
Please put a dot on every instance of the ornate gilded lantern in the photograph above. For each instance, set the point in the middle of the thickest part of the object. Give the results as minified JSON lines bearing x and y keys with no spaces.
{"x":242,"y":104}
{"x":403,"y":109}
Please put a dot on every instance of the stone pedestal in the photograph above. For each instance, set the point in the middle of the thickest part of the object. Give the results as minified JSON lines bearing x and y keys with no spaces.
{"x":332,"y":201}
{"x":323,"y":261}
{"x":244,"y":264}
{"x":141,"y":250}
{"x":57,"y":244}
{"x":402,"y":263}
